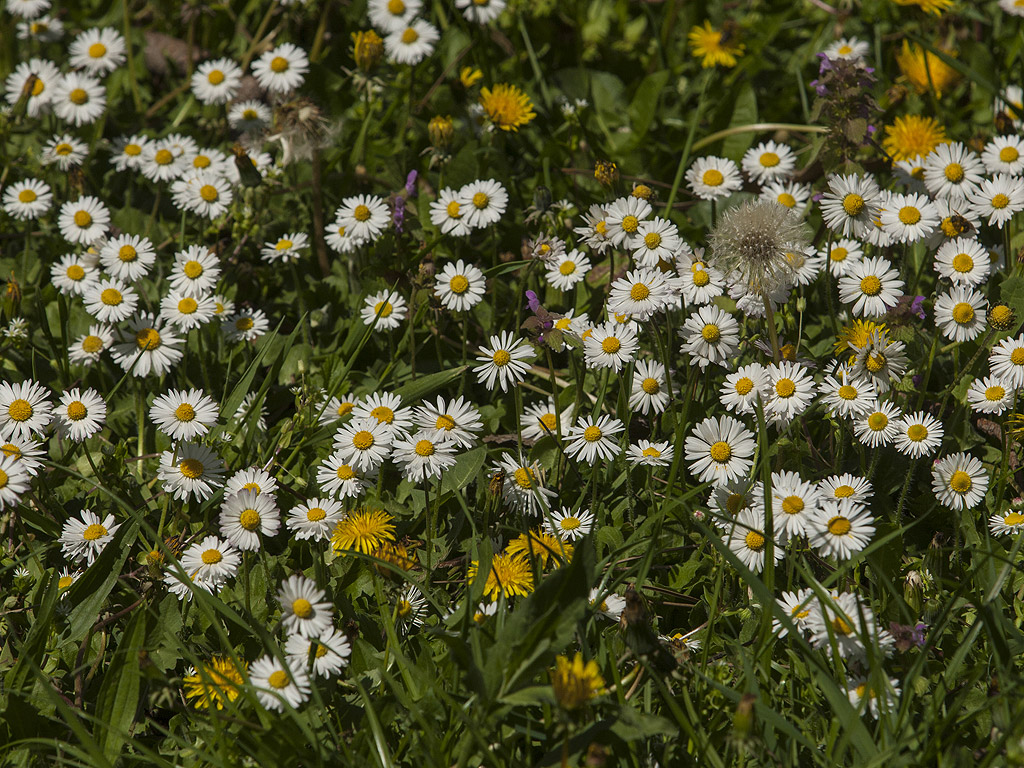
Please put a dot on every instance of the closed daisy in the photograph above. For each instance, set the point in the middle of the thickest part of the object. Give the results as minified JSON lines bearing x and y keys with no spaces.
{"x":314,"y":519}
{"x":191,"y":470}
{"x":742,"y":388}
{"x":649,"y":393}
{"x":719,"y":450}
{"x":80,"y":414}
{"x":364,"y":217}
{"x":385,"y":310}
{"x":871,"y":286}
{"x":484,"y":202}
{"x":460,"y":286}
{"x":840,"y":528}
{"x":589,"y":440}
{"x":768,"y":160}
{"x":920,"y":434}
{"x":998,"y":199}
{"x":78,"y":98}
{"x":25,"y":409}
{"x":879,"y":426}
{"x":27,"y":200}
{"x":791,"y":390}
{"x":567,"y":270}
{"x":990,"y":395}
{"x":503,"y":362}
{"x":648,"y":454}
{"x":568,"y":525}
{"x":850,"y":205}
{"x":610,"y":345}
{"x":1007,"y":361}
{"x":216,"y":81}
{"x":276,"y":686}
{"x":148,"y":347}
{"x":423,"y":456}
{"x":960,"y":314}
{"x":282,"y":69}
{"x":711,"y":336}
{"x":959,"y":481}
{"x":83,"y":220}
{"x":83,"y":539}
{"x":963,"y":261}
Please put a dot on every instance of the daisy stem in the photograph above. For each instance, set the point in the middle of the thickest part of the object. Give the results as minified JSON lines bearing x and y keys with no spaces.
{"x":1008,"y":265}
{"x":519,"y":410}
{"x":429,"y":545}
{"x":140,"y":421}
{"x":301,"y":295}
{"x":769,"y":316}
{"x":903,"y":493}
{"x":599,"y":405}
{"x":245,"y":581}
{"x":126,"y":20}
{"x":663,"y":345}
{"x":1001,"y":486}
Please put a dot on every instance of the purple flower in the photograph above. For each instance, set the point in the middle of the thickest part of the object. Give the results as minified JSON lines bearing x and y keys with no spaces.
{"x":410,"y":183}
{"x":533,"y":301}
{"x":398,"y":213}
{"x":917,"y":306}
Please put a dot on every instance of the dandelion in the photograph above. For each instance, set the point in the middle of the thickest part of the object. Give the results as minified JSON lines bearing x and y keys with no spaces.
{"x":912,"y":136}
{"x":926,"y":71}
{"x":510,"y":576}
{"x":216,"y":682}
{"x":363,"y":531}
{"x":506,"y":107}
{"x":713,"y":47}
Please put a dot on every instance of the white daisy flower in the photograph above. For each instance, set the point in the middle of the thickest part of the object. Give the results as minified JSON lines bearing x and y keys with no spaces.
{"x":805,"y":265}
{"x":794,"y":500}
{"x":594,"y":232}
{"x":191,"y":470}
{"x":655,"y":241}
{"x":646,"y":453}
{"x":607,"y":604}
{"x":963,"y":261}
{"x":88,"y":348}
{"x":64,"y":151}
{"x":148,"y":347}
{"x":128,"y":152}
{"x":47,"y":76}
{"x":83,"y":220}
{"x":80,"y":414}
{"x":920,"y":434}
{"x":315,"y":519}
{"x":449,"y":214}
{"x":384,"y":310}
{"x":305,"y":611}
{"x":483,"y":203}
{"x":791,"y":392}
{"x":610,"y":345}
{"x":719,"y":450}
{"x":860,"y":688}
{"x":392,"y":15}
{"x":850,"y":205}
{"x":14,"y":480}
{"x":1009,"y":522}
{"x":623,"y":220}
{"x":710,"y":178}
{"x":846,"y":396}
{"x":503,"y":362}
{"x":28,"y":199}
{"x":840,"y":623}
{"x":797,"y":606}
{"x":952,"y":171}
{"x":460,"y":286}
{"x":45,"y":29}
{"x":78,"y":98}
{"x":589,"y":440}
{"x":210,"y":562}
{"x":959,"y":481}
{"x":162,"y":163}
{"x":203,"y":193}
{"x":480,"y":11}
{"x":455,"y":421}
{"x":960,"y":314}
{"x":640,"y":293}
{"x":998,"y":199}
{"x":184,"y":414}
{"x":186,"y":312}
{"x":540,"y":421}
{"x":789,"y":194}
{"x":846,"y":486}
{"x":882,"y":360}
{"x":339,"y":240}
{"x":111,"y":301}
{"x":251,"y":479}
{"x":842,"y":255}
{"x":878,"y":426}
{"x":246,"y":325}
{"x":872,"y":286}
{"x":27,"y":453}
{"x":386,"y":408}
{"x":523,"y":484}
{"x":649,"y":394}
{"x":363,"y":443}
{"x":990,"y":395}
{"x":699,"y":283}
{"x":840,"y":528}
{"x":423,"y":456}
{"x":128,"y":257}
{"x":74,"y":275}
{"x":336,"y":476}
{"x":741,"y":389}
{"x":195,"y":270}
{"x":1004,"y":154}
{"x":275,"y":685}
{"x":848,"y":48}
{"x":329,"y":652}
{"x":97,"y":50}
{"x":1007,"y":361}
{"x":286,"y":248}
{"x":216,"y":81}
{"x":250,"y":115}
{"x":364,"y":216}
{"x":282,"y":69}
{"x":767,"y":161}
{"x":83,"y":540}
{"x":711,"y":336}
{"x":25,"y":409}
{"x":749,"y":542}
{"x":909,"y":218}
{"x":568,"y":270}
{"x":568,"y":525}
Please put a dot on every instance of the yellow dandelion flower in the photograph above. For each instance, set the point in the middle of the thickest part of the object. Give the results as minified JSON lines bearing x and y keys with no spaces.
{"x":715,"y":46}
{"x":928,"y":6}
{"x":925,"y":70}
{"x":218,"y":681}
{"x":856,"y":335}
{"x":363,"y":531}
{"x":510,"y":575}
{"x":506,"y":106}
{"x":575,"y":682}
{"x":470,"y":76}
{"x":396,"y":554}
{"x":913,"y":136}
{"x":542,"y":545}
{"x":367,"y":49}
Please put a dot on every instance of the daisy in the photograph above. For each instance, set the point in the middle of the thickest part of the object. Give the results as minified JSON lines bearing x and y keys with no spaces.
{"x":646,"y":453}
{"x":28,"y":199}
{"x":990,"y":395}
{"x":161,"y":163}
{"x":14,"y":481}
{"x":710,"y":178}
{"x":481,"y":11}
{"x":410,"y":607}
{"x":640,"y":293}
{"x":871,"y":286}
{"x":460,"y":286}
{"x":503,"y":361}
{"x":594,"y":232}
{"x":794,"y":501}
{"x":742,"y":388}
{"x":184,"y":415}
{"x":569,"y":269}
{"x":797,"y":606}
{"x":88,"y":348}
{"x":305,"y":611}
{"x":393,"y":15}
{"x":385,"y":408}
{"x":455,"y":421}
{"x":1009,"y":522}
{"x":147,"y":347}
{"x":128,"y":152}
{"x":364,"y":217}
{"x":789,"y":194}
{"x":195,"y":271}
{"x":767,"y":161}
{"x":655,"y":241}
{"x":860,"y":688}
{"x":282,"y":69}
{"x":608,"y":605}
{"x":315,"y":519}
{"x":83,"y":220}
{"x":483,"y":202}
{"x":952,"y":171}
{"x":959,"y":481}
{"x":385,"y":310}
{"x":839,"y":623}
{"x":84,"y":539}
{"x":45,"y":29}
{"x":191,"y":470}
{"x":963,"y":261}
{"x":210,"y":562}
{"x":97,"y":50}
{"x":623,"y":220}
{"x":335,"y":408}
{"x":1004,"y":154}
{"x":423,"y":456}
{"x":250,"y":115}
{"x":848,"y":48}
{"x":879,"y":426}
{"x":364,"y":443}
{"x":806,"y":265}
{"x":449,"y":214}
{"x":846,"y":396}
{"x":960,"y":314}
{"x":275,"y":685}
{"x":610,"y":345}
{"x":749,"y":542}
{"x":128,"y":257}
{"x":884,"y":361}
{"x":846,"y":486}
{"x":850,"y":205}
{"x":216,"y":81}
{"x":80,"y":414}
{"x":540,"y":420}
{"x":909,"y":218}
{"x":568,"y":525}
{"x":522,"y":486}
{"x":64,"y":151}
{"x":246,"y":325}
{"x":998,"y":199}
{"x":47,"y":76}
{"x":842,"y":255}
{"x":286,"y":248}
{"x":711,"y":336}
{"x":719,"y":450}
{"x":78,"y":98}
{"x":649,"y":392}
{"x":791,"y":391}
{"x":329,"y":652}
{"x":25,"y":409}
{"x":185,"y":312}
{"x":27,"y":453}
{"x":920,"y":434}
{"x":589,"y":440}
{"x":337,"y":477}
{"x":840,"y":528}
{"x":203,"y":193}
{"x":1007,"y":361}
{"x":699,"y":283}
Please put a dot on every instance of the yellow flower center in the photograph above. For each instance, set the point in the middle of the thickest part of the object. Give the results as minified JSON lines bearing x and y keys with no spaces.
{"x":917,"y":432}
{"x":459,"y":284}
{"x":208,"y":192}
{"x":548,"y":420}
{"x":839,"y":254}
{"x":963,"y":263}
{"x":754,"y":541}
{"x":453,"y":210}
{"x":83,"y":219}
{"x":93,"y":532}
{"x":97,"y":50}
{"x":163,"y":157}
{"x":711,"y":333}
{"x":846,"y":392}
{"x":713,"y":177}
{"x":650,"y":386}
{"x":111,"y":297}
{"x":721,"y":452}
{"x":570,"y":523}
{"x":1000,"y":201}
{"x":853,"y":204}
{"x":960,"y":482}
{"x":216,"y":77}
{"x":839,"y":526}
{"x":63,"y":149}
{"x":567,"y":267}
{"x":994,"y":394}
{"x":410,"y":36}
{"x":39,"y":87}
{"x":652,"y":240}
{"x":192,"y":269}
{"x":524,"y":478}
{"x":651,"y":452}
{"x":909,"y":215}
{"x":743,"y":386}
{"x":345,"y":409}
{"x":955,"y":172}
{"x":701,"y":278}
{"x":77,"y":411}
{"x":877,"y":421}
{"x":127,"y":254}
{"x":1009,"y":154}
{"x":845,"y":50}
{"x":630,"y":224}
{"x":92,"y":344}
{"x":501,"y":358}
{"x":316,"y":514}
{"x":785,"y":387}
{"x":345,"y":472}
{"x":362,"y":440}
{"x":279,"y":64}
{"x":28,"y":195}
{"x":424,"y":448}
{"x":843,"y":491}
{"x":480,"y":200}
{"x":963,"y":313}
{"x":786,"y":199}
{"x":78,"y":96}
{"x":769,"y":159}
{"x":10,"y":449}
{"x":1014,"y":518}
{"x":249,"y":519}
{"x":132,"y":150}
{"x":361,"y":213}
{"x":601,"y":227}
{"x":188,"y":305}
{"x":191,"y":468}
{"x":396,"y":7}
{"x":871,"y":285}
{"x":875,"y":362}
{"x":184,"y":412}
{"x":278,"y":679}
{"x":840,"y":626}
{"x":244,"y":324}
{"x":1017,"y":356}
{"x":20,"y":410}
{"x":302,"y":608}
{"x":212,"y":556}
{"x":611,"y":345}
{"x":792,"y":505}
{"x":592,"y":434}
{"x":147,"y":338}
{"x":383,"y":308}
{"x":639,"y":292}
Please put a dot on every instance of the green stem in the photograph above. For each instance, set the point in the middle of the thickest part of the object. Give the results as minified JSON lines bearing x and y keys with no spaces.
{"x":133,"y":81}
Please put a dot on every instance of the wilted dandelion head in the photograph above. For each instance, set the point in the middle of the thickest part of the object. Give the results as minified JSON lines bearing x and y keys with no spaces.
{"x":751,"y":242}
